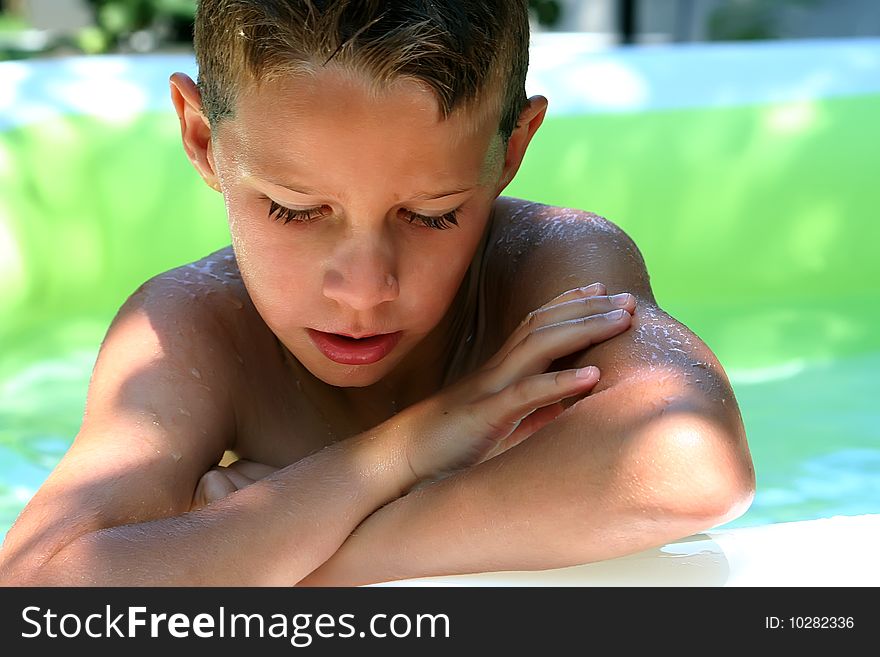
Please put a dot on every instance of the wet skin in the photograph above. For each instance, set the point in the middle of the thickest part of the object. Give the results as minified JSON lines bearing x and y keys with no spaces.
{"x":283,"y":412}
{"x":355,"y":262}
{"x":215,"y":356}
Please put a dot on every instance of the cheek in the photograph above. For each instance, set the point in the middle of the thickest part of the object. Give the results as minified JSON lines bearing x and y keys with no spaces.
{"x":431,"y":281}
{"x":278,"y":274}
{"x":255,"y":238}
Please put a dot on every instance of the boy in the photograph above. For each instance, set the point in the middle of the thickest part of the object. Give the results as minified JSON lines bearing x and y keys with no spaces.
{"x":405,"y":363}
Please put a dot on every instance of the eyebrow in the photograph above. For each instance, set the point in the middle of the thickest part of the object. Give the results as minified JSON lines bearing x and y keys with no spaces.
{"x":422,"y":196}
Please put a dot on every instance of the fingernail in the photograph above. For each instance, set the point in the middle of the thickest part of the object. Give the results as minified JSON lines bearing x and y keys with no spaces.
{"x":593,"y":287}
{"x":586,"y":372}
{"x":620,"y":299}
{"x":614,"y":315}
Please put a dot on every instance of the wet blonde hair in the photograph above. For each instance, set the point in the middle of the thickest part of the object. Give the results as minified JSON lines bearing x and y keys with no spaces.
{"x":472,"y":54}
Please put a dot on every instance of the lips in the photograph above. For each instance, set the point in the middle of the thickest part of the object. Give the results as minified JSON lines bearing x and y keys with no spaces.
{"x":351,"y":351}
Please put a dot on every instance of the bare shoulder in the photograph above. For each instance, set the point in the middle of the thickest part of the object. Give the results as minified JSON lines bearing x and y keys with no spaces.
{"x":209,"y":298}
{"x":168,"y":364}
{"x":547,"y":250}
{"x":192,"y":320}
{"x":543,"y":250}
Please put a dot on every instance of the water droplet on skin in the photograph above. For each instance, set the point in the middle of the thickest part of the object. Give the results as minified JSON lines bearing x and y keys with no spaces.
{"x":236,"y":303}
{"x":239,"y":358}
{"x":185,"y":412}
{"x":195,"y":373}
{"x":176,"y":456}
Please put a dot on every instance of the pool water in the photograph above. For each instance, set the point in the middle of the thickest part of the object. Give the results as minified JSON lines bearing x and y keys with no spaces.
{"x":757,"y":220}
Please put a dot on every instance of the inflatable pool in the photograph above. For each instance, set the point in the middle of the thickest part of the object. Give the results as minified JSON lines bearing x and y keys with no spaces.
{"x":746,"y":174}
{"x":837,"y":551}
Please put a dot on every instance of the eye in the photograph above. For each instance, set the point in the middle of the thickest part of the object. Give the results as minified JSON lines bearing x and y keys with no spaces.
{"x":442,"y":222}
{"x":286,"y":215}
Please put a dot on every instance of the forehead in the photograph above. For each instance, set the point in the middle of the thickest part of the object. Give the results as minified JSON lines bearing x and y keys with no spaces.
{"x":335,"y":116}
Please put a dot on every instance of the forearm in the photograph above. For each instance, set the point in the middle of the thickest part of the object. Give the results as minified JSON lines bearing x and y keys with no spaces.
{"x":613,"y":475}
{"x":270,"y":533}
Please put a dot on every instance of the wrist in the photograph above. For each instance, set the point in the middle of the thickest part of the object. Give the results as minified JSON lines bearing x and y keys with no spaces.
{"x":382,"y":461}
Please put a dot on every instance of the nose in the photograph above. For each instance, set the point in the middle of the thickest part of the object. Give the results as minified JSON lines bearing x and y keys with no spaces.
{"x":362,"y":275}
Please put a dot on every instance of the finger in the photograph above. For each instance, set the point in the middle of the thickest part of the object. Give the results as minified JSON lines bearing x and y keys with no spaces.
{"x":238,"y":479}
{"x":541,"y":347}
{"x":577,"y":293}
{"x":572,"y":309}
{"x":531,"y":424}
{"x":503,"y":411}
{"x":251,"y":469}
{"x":569,"y":295}
{"x":213,"y":485}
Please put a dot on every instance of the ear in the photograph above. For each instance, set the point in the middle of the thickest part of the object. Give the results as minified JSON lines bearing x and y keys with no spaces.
{"x":530,"y":120}
{"x":194,"y":127}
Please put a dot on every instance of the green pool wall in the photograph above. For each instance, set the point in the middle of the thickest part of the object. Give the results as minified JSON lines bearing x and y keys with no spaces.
{"x":736,"y":210}
{"x":756,"y":221}
{"x":758,"y":225}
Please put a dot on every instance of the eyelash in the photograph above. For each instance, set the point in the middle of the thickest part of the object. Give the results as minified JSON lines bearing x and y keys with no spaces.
{"x":286,"y":215}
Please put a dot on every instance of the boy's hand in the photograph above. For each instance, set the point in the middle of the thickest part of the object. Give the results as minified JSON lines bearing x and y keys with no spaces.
{"x":511,"y":396}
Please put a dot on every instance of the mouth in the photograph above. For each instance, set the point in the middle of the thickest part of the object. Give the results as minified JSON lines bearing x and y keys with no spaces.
{"x":348,"y":350}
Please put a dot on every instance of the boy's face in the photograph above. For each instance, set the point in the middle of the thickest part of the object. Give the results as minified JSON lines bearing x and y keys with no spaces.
{"x":360,"y":262}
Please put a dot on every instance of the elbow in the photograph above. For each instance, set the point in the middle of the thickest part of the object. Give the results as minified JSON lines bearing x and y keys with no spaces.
{"x":701,"y":474}
{"x":705,"y":507}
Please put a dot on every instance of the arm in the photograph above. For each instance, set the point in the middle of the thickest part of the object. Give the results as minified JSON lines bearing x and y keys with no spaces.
{"x":115,"y":509}
{"x":657,"y":452}
{"x":159,"y":414}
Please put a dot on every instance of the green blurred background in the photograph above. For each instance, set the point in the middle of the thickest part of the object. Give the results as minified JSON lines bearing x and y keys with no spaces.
{"x":757,"y":221}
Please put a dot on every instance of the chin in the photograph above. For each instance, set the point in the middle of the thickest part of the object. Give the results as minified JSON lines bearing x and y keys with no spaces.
{"x":357,"y":376}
